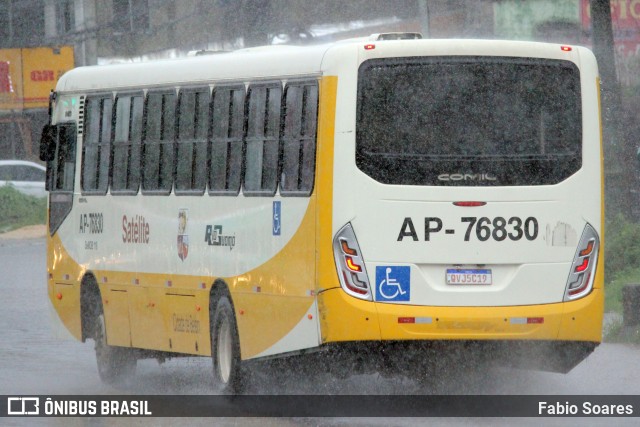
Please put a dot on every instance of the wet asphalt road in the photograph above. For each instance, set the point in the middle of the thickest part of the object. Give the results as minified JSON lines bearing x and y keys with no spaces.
{"x":36,"y":359}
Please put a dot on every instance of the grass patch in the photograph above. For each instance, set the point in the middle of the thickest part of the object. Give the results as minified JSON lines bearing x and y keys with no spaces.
{"x":19,"y":210}
{"x":616,"y":332}
{"x":613,"y":288}
{"x":621,"y":260}
{"x":612,"y":332}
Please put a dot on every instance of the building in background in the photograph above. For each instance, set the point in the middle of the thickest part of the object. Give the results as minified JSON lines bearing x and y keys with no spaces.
{"x":30,"y":66}
{"x":569,"y":21}
{"x":107,"y":31}
{"x":625,"y":19}
{"x":103,"y":31}
{"x":27,"y":76}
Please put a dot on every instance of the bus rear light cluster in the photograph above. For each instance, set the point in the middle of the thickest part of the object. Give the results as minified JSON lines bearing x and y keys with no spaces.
{"x":350,"y":264}
{"x":582,"y":274}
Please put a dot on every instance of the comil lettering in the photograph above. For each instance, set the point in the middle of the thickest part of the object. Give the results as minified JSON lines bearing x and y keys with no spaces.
{"x":467,"y":177}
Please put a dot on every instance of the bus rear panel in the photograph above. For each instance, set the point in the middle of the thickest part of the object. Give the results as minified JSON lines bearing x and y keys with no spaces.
{"x":468,"y":199}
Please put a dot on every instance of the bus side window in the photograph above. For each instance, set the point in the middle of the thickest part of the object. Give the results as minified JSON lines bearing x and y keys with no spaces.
{"x":227,"y":130}
{"x":262,"y":139}
{"x":96,"y":148}
{"x":191,"y":162}
{"x":158,"y":147}
{"x":299,"y":139}
{"x":126,"y":144}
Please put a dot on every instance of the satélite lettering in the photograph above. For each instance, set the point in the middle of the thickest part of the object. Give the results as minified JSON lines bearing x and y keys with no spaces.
{"x":135,"y":229}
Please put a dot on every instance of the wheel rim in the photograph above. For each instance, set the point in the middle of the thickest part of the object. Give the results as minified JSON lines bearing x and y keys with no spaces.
{"x":224,"y":351}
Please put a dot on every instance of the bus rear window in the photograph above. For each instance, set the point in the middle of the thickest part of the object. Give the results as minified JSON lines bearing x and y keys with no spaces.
{"x":474,"y":121}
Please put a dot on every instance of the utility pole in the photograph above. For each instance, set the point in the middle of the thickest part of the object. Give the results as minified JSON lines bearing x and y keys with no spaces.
{"x":423,"y":9}
{"x":619,"y":159}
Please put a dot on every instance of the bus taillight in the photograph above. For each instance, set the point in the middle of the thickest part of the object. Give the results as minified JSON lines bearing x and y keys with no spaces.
{"x":350,"y":264}
{"x":346,"y":249}
{"x":582,"y":271}
{"x":582,"y":267}
{"x":588,"y":249}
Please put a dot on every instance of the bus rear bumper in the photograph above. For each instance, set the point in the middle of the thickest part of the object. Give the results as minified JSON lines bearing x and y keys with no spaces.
{"x":549,"y":337}
{"x":416,"y":359}
{"x":348,"y":319}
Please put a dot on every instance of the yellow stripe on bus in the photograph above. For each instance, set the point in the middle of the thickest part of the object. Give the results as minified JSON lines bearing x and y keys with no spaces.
{"x":269,"y":300}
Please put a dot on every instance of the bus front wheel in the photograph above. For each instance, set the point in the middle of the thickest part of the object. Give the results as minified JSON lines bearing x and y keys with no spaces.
{"x":228,"y":374}
{"x":115,"y":364}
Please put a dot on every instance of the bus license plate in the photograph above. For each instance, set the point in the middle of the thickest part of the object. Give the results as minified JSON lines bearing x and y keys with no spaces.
{"x":469,"y":277}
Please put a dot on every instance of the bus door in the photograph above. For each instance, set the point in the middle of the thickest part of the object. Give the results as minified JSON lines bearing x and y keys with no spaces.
{"x":58,"y":149}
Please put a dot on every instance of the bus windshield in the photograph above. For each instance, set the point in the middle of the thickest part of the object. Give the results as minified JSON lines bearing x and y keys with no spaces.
{"x":480,"y":121}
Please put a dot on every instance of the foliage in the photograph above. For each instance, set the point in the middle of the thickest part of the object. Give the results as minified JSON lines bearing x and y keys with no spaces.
{"x":621,"y":260}
{"x":18,"y":210}
{"x":613,"y":288}
{"x":617,"y":332}
{"x":622,"y":246}
{"x":612,"y":331}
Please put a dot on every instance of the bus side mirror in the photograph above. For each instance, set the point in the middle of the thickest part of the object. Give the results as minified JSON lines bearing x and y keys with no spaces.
{"x":48,"y":143}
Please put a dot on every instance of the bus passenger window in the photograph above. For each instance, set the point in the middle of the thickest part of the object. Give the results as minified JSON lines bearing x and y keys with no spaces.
{"x":159,"y":143}
{"x":299,"y":139}
{"x":126,"y":144}
{"x":227,"y":130}
{"x":261,"y":141}
{"x":191,"y":163}
{"x":96,"y":148}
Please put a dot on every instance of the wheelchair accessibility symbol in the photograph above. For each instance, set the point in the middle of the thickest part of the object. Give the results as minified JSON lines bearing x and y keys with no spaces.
{"x":393,"y":283}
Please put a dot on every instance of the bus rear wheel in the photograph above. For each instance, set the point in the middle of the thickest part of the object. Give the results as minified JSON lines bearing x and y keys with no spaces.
{"x":228,"y":374}
{"x":115,"y":364}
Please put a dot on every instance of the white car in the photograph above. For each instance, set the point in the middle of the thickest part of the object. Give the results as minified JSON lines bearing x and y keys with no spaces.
{"x":26,"y":177}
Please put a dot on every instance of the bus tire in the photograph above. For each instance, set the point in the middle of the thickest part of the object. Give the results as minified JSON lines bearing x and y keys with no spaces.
{"x":115,"y":364}
{"x":228,"y":373}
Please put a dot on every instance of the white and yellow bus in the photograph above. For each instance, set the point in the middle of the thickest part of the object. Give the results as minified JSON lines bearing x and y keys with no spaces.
{"x":377,"y":196}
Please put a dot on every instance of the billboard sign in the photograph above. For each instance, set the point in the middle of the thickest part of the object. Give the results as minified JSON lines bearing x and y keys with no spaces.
{"x":28,"y":75}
